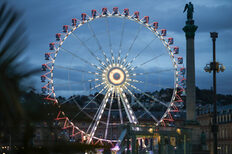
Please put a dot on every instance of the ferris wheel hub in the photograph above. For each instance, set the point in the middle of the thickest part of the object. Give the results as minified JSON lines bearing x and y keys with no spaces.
{"x":116,"y":76}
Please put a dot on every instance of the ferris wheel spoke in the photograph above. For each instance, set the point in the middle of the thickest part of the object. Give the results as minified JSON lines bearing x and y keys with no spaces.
{"x":91,"y":37}
{"x":72,"y":83}
{"x":98,"y":85}
{"x":140,"y":52}
{"x":75,"y":69}
{"x":109,"y":112}
{"x":110,"y":42}
{"x":145,"y":109}
{"x":90,"y":51}
{"x":95,"y":80}
{"x":148,"y":61}
{"x":136,"y":81}
{"x":141,"y":115}
{"x":100,"y":92}
{"x":132,"y":44}
{"x":149,"y":96}
{"x":108,"y":32}
{"x":130,"y":114}
{"x":121,"y":40}
{"x":97,"y":41}
{"x":99,"y":108}
{"x":119,"y":107}
{"x":85,"y":61}
{"x":66,"y":101}
{"x":157,"y":85}
{"x":98,"y":116}
{"x":94,"y":118}
{"x":151,"y":59}
{"x":153,"y":72}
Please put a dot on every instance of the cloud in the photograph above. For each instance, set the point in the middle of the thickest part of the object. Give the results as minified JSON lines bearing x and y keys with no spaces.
{"x":45,"y":18}
{"x":216,"y":19}
{"x":205,"y":81}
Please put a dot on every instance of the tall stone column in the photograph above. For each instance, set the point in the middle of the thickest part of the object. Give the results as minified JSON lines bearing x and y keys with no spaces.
{"x":190,"y":30}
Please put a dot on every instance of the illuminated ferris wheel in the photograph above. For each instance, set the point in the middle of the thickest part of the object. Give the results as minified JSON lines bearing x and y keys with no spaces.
{"x":108,"y":69}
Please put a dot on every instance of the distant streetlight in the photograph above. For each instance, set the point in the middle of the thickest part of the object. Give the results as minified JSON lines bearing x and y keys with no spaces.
{"x":215,"y":67}
{"x":178,"y":130}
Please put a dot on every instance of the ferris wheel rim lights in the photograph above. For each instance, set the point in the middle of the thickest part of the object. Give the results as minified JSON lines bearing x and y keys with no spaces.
{"x":116,"y":76}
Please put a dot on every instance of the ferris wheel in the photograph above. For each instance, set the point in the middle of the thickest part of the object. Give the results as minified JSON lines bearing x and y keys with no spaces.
{"x":109,"y":69}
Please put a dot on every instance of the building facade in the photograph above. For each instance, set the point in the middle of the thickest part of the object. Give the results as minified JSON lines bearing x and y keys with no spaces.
{"x":224,"y":121}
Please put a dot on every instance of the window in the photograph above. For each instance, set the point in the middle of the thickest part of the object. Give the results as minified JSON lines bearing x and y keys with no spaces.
{"x":226,"y":149}
{"x":223,"y":133}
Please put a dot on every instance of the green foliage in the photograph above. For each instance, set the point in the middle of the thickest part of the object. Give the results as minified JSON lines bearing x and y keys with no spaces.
{"x":12,"y":45}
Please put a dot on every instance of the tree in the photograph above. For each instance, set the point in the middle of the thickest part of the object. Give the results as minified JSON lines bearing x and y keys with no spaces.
{"x":12,"y":45}
{"x":13,"y":42}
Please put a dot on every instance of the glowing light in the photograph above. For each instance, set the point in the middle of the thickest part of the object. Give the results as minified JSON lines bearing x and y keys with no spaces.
{"x":116,"y":148}
{"x":150,"y":130}
{"x":178,"y":130}
{"x":116,"y":76}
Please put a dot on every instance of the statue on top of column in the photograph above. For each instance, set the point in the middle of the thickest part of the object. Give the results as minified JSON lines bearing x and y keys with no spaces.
{"x":190,"y":10}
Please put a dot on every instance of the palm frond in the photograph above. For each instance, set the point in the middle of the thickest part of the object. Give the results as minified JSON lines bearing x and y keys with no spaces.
{"x":12,"y":44}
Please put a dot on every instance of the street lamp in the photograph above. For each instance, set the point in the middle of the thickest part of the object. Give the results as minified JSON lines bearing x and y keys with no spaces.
{"x":219,"y":67}
{"x":215,"y":67}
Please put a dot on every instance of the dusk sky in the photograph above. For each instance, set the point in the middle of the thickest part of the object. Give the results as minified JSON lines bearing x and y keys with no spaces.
{"x":45,"y":18}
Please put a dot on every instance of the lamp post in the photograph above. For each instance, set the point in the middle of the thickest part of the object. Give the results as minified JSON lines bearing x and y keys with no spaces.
{"x":215,"y":67}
